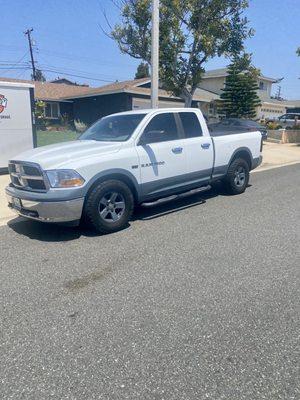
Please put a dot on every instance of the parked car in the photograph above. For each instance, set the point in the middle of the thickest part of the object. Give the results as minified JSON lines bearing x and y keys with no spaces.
{"x":289,"y":120}
{"x":237,"y":125}
{"x":127,"y":159}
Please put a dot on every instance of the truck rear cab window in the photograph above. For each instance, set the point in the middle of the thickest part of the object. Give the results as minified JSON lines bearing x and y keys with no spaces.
{"x":190,"y":124}
{"x":161,"y":128}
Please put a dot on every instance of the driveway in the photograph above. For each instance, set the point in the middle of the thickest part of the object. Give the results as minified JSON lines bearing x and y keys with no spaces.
{"x":198,"y":299}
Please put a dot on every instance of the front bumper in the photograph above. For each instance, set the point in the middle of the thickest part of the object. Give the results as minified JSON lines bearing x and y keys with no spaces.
{"x":47,"y":211}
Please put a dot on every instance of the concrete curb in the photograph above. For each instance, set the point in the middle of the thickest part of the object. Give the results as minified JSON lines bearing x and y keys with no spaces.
{"x":5,"y":220}
{"x":268,"y":167}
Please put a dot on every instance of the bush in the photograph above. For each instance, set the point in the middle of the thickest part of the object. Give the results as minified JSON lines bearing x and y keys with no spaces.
{"x":66,"y":122}
{"x":272,"y":125}
{"x":80,"y":126}
{"x":39,"y":112}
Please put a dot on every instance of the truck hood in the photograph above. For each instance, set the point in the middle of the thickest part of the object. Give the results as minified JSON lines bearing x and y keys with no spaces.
{"x":57,"y":155}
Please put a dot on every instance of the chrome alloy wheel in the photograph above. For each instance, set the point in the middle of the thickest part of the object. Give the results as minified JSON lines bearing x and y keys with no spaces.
{"x":240,"y":176}
{"x":112,"y":207}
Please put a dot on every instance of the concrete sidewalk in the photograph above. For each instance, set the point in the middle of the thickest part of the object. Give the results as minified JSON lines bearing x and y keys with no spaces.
{"x":275,"y":155}
{"x":5,"y":212}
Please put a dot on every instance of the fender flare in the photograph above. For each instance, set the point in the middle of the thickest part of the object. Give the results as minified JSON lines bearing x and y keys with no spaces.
{"x":241,"y":149}
{"x":114,"y":173}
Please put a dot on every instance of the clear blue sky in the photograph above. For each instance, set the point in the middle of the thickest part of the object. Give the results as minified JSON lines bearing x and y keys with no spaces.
{"x":68,"y":38}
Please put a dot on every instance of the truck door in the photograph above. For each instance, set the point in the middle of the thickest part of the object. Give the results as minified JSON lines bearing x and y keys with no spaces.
{"x":162,"y":156}
{"x":198,"y":147}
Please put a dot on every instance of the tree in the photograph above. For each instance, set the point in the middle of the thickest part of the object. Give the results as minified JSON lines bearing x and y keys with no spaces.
{"x":142,"y":71}
{"x":191,"y":33}
{"x":39,"y":76}
{"x":39,"y":112}
{"x":239,"y":98}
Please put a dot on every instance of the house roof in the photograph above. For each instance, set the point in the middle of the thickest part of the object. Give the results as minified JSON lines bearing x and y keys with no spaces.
{"x":133,"y":87}
{"x":50,"y":91}
{"x":293,"y":103}
{"x":223,"y":72}
{"x":64,"y":92}
{"x":116,"y":87}
{"x":206,"y":95}
{"x":266,"y":99}
{"x":59,"y":91}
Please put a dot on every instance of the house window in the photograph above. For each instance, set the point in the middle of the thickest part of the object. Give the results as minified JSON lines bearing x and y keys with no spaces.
{"x":52,"y":110}
{"x":262,"y":85}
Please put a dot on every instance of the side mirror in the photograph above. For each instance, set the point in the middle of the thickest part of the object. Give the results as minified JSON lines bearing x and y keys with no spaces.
{"x":151,"y":137}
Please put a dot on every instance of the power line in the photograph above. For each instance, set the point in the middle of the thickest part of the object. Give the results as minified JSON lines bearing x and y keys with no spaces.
{"x":72,"y":70}
{"x":78,"y":76}
{"x":80,"y":58}
{"x":65,"y":73}
{"x":21,"y":74}
{"x":13,"y":64}
{"x":16,"y":63}
{"x":23,"y":67}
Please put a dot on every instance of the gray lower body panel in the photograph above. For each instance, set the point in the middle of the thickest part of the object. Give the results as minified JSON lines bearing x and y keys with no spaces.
{"x":47,"y":211}
{"x":168,"y":186}
{"x":219,"y":172}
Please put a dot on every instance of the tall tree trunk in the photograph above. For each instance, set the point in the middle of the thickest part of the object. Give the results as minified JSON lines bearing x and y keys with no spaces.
{"x":188,"y":101}
{"x":188,"y":95}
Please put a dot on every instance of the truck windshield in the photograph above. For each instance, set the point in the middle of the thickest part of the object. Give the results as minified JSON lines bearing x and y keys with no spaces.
{"x":116,"y":128}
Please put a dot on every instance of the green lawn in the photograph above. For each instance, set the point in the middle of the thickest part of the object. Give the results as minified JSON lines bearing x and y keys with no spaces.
{"x":50,"y":137}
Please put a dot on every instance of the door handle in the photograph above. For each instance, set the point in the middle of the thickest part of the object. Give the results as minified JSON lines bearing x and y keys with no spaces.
{"x":205,"y":146}
{"x":177,"y":150}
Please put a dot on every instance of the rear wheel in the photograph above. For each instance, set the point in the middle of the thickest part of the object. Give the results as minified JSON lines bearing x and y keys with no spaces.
{"x":109,"y":206}
{"x":237,"y":177}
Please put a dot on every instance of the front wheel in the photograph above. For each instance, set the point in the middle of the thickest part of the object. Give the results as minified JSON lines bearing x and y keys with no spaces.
{"x":237,"y":177}
{"x":109,"y":206}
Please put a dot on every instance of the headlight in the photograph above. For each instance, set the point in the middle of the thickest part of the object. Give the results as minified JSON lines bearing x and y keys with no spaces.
{"x":64,"y":178}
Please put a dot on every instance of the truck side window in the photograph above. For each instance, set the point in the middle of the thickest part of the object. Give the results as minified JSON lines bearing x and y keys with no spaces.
{"x":191,"y":124}
{"x":162,"y":128}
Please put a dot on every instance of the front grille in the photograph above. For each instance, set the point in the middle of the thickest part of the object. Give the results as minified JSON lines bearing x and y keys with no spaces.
{"x":27,"y":176}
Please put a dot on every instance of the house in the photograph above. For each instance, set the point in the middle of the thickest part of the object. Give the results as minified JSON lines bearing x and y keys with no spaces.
{"x":214,"y":81}
{"x":85,"y":105}
{"x":128,"y":95}
{"x":293,"y":106}
{"x":51,"y":94}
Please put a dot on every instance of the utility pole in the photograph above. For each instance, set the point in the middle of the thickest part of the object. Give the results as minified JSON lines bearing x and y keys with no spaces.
{"x":28,"y":33}
{"x":278,"y":94}
{"x":155,"y":54}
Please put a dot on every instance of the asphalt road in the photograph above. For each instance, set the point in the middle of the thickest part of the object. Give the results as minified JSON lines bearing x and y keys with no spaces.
{"x":198,"y":299}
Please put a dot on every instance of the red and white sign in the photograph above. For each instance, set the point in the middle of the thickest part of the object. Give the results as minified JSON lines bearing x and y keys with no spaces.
{"x":3,"y":103}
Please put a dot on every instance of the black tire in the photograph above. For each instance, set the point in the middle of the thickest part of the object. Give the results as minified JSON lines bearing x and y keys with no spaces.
{"x":102,"y":218}
{"x":237,"y":177}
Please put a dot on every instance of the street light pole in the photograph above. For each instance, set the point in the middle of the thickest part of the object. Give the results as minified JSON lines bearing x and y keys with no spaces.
{"x":155,"y":54}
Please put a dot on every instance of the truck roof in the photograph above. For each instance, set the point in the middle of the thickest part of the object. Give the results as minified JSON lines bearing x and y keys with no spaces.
{"x":151,"y":110}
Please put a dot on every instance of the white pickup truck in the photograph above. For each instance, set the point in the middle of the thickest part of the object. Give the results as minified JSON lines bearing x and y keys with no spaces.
{"x":127,"y":159}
